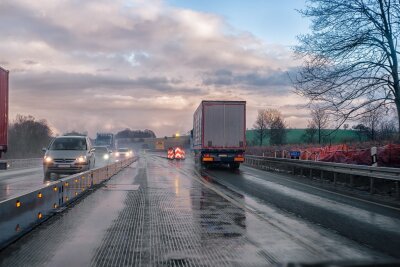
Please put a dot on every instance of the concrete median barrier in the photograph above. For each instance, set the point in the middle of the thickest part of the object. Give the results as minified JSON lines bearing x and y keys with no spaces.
{"x":20,"y":214}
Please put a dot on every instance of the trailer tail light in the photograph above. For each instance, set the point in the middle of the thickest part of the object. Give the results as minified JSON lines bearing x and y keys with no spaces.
{"x":239,"y":158}
{"x":207,"y":157}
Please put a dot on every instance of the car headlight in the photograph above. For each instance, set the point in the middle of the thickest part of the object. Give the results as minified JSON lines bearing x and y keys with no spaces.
{"x":116,"y":154}
{"x":81,"y":159}
{"x":106,"y":156}
{"x":47,"y":159}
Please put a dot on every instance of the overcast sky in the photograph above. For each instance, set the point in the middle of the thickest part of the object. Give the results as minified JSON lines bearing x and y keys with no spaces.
{"x":111,"y":65}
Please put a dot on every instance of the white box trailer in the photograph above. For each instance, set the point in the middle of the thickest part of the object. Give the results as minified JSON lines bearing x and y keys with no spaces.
{"x":219,"y":132}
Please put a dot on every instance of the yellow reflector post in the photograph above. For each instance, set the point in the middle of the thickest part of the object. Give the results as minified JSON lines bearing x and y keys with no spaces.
{"x":55,"y":189}
{"x":66,"y":184}
{"x":39,"y":195}
{"x":40,"y":215}
{"x":76,"y":193}
{"x":76,"y":180}
{"x":18,"y":204}
{"x":54,"y":206}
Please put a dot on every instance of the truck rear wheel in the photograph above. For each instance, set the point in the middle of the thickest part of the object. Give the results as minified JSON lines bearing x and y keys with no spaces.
{"x":234,"y":165}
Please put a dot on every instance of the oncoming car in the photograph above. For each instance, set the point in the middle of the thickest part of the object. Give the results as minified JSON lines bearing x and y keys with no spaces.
{"x":68,"y":155}
{"x":102,"y":153}
{"x":123,"y":153}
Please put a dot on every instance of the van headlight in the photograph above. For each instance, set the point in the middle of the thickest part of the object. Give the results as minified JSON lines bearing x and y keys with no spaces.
{"x":81,"y":159}
{"x":47,"y":159}
{"x":106,"y":156}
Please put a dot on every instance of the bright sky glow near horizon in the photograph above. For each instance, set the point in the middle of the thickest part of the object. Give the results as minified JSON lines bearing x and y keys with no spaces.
{"x":110,"y":65}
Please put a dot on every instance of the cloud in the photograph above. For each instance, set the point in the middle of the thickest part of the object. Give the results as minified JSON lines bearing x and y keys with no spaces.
{"x":135,"y":64}
{"x":266,"y":78}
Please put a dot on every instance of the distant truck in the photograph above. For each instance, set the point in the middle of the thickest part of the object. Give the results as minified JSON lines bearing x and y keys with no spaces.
{"x":219,"y":132}
{"x":105,"y":139}
{"x":3,"y":111}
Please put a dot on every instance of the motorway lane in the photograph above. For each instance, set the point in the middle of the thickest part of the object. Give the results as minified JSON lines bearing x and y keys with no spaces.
{"x":169,"y":213}
{"x":373,"y":224}
{"x":15,"y":182}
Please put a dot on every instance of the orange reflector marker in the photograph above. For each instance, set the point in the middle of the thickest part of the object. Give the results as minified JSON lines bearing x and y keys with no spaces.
{"x":39,"y":195}
{"x":55,"y":189}
{"x":76,"y":180}
{"x":76,"y":193}
{"x":66,"y":184}
{"x":40,"y":215}
{"x":55,"y":206}
{"x":83,"y":177}
{"x":18,"y":204}
{"x":239,"y":159}
{"x":17,"y":228}
{"x":66,"y":198}
{"x":208,"y":159}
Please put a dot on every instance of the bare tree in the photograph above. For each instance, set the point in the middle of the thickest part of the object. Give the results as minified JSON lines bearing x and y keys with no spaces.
{"x":277,"y":131}
{"x":320,"y":119}
{"x":372,"y":120}
{"x":310,"y":132}
{"x":260,"y":126}
{"x":27,"y":137}
{"x":351,"y":56}
{"x":270,"y":121}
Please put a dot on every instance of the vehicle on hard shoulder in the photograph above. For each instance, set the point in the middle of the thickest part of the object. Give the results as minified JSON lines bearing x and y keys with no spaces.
{"x":68,"y":155}
{"x":219,"y":133}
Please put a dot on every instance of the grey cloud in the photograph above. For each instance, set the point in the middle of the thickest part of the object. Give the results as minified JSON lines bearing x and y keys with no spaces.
{"x":62,"y":81}
{"x":256,"y":78}
{"x":30,"y":62}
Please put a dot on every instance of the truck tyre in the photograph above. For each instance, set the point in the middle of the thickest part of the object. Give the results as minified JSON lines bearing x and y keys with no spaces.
{"x":234,"y":165}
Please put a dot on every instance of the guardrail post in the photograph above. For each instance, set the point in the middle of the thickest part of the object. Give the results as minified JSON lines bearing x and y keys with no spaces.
{"x":371,"y":185}
{"x":322,"y":176}
{"x":351,"y":180}
{"x":334,"y":178}
{"x":310,"y":173}
{"x":397,"y":190}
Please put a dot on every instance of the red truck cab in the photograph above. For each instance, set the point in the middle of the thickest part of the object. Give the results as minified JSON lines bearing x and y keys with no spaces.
{"x":3,"y":110}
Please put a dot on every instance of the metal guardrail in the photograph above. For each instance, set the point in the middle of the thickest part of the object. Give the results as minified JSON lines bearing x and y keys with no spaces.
{"x":23,"y":163}
{"x":21,"y":213}
{"x":391,"y":174}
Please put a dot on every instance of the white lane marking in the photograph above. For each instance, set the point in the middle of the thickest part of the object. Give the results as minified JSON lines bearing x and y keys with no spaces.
{"x":321,"y":189}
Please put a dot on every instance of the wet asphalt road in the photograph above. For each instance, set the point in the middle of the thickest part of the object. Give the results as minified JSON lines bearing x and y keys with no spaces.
{"x":18,"y":181}
{"x":170,"y":213}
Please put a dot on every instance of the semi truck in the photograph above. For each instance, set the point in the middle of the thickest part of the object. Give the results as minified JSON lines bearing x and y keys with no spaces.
{"x":219,"y":133}
{"x":3,"y":112}
{"x":105,"y":139}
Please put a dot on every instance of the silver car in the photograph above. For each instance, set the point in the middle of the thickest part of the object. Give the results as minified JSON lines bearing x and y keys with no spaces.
{"x":68,"y":155}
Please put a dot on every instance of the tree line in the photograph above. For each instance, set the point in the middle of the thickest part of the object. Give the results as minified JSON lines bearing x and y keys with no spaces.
{"x":269,"y":123}
{"x":28,"y":135}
